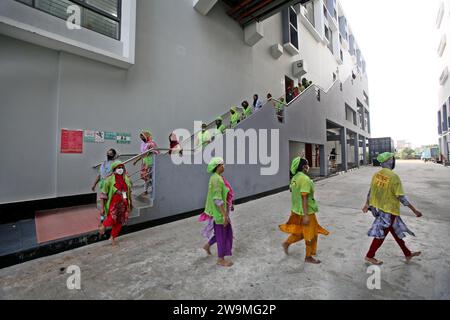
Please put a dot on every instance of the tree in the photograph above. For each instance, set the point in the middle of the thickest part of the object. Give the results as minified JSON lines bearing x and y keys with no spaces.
{"x":407,"y":153}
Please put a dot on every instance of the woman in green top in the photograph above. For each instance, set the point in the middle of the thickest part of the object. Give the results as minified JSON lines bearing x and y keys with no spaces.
{"x":204,"y":137}
{"x":235,"y":117}
{"x":116,"y":200}
{"x":279,"y":108}
{"x":217,"y":209}
{"x":303,"y":222}
{"x":247,"y":110}
{"x":220,"y":127}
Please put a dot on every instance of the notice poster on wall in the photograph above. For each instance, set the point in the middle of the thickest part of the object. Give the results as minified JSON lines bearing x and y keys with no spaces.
{"x":110,"y":136}
{"x":91,"y":136}
{"x":71,"y":141}
{"x":123,"y":138}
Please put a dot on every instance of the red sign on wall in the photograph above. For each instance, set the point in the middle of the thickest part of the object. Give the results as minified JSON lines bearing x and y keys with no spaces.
{"x":71,"y":141}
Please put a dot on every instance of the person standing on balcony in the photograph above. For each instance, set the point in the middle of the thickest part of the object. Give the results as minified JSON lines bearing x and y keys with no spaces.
{"x":303,"y":223}
{"x":247,"y":110}
{"x":147,"y":144}
{"x":384,"y":199}
{"x":203,"y":137}
{"x":116,"y":201}
{"x":257,"y":104}
{"x":219,"y":204}
{"x":235,"y":117}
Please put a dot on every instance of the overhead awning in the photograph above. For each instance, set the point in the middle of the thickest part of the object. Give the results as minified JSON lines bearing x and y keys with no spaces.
{"x":246,"y":12}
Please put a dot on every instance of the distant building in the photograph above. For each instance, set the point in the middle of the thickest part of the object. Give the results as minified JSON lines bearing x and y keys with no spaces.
{"x":403,"y":144}
{"x":443,"y":26}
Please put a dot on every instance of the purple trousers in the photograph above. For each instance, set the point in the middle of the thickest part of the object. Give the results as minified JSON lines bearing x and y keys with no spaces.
{"x":223,"y":236}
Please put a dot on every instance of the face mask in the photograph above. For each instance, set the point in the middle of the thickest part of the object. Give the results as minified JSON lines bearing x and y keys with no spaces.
{"x":110,"y":158}
{"x":120,"y":171}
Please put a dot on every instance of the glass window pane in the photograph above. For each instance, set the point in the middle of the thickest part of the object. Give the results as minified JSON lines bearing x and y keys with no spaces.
{"x":108,"y":6}
{"x":56,"y":8}
{"x":100,"y":24}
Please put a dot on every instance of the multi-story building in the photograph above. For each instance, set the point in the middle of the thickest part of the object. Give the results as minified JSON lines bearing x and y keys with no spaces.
{"x":105,"y":69}
{"x":443,"y":52}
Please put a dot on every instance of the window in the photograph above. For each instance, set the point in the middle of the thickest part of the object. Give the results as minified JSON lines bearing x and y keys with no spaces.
{"x":439,"y":123}
{"x":366,"y":98}
{"x":309,"y":13}
{"x":290,"y":30}
{"x":101,"y":16}
{"x":352,"y":45}
{"x":329,"y":36}
{"x":350,"y":115}
{"x":444,"y":118}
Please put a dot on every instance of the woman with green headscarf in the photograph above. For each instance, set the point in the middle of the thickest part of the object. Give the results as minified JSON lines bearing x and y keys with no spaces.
{"x":220,"y":127}
{"x":303,"y":223}
{"x":247,"y":110}
{"x":219,"y":203}
{"x":116,"y":200}
{"x":147,"y":144}
{"x":235,"y":117}
{"x":384,"y":199}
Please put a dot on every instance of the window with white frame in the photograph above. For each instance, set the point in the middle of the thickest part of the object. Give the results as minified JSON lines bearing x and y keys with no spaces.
{"x":101,"y":16}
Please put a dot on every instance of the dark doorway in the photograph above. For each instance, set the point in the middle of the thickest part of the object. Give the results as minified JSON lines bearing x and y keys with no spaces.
{"x":289,"y":87}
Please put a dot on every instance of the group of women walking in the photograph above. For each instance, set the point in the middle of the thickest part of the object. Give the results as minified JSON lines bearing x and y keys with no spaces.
{"x":384,"y":199}
{"x":385,"y":195}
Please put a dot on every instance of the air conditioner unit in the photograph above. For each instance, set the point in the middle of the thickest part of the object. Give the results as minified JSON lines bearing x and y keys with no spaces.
{"x":299,"y":68}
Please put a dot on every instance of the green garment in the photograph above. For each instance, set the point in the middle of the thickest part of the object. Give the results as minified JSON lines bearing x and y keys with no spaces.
{"x":220,"y":130}
{"x":301,"y":183}
{"x":385,"y":157}
{"x":385,"y":189}
{"x":247,"y":113}
{"x":216,"y":191}
{"x":280,"y":106}
{"x":234,"y":120}
{"x":109,"y":190}
{"x":204,"y":138}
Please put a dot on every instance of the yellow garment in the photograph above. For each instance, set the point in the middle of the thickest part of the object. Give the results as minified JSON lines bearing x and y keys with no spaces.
{"x":309,"y":233}
{"x":385,"y":189}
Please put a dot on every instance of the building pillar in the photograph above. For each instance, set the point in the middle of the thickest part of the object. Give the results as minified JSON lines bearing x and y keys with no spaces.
{"x":323,"y":161}
{"x":344,"y":149}
{"x":357,"y":150}
{"x":365,"y":162}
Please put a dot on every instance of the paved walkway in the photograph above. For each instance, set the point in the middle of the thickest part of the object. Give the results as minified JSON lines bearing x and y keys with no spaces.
{"x":166,"y":262}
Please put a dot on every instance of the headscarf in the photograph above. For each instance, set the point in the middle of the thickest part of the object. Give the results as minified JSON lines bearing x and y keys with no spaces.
{"x":295,"y":164}
{"x":116,"y":164}
{"x":173,"y":140}
{"x":234,"y":108}
{"x":147,"y":134}
{"x":385,"y":157}
{"x":214,"y":163}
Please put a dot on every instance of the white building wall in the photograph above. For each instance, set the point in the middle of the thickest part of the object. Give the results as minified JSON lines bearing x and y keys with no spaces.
{"x":187,"y":67}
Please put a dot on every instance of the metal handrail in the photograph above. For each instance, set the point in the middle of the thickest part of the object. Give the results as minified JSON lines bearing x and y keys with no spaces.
{"x":120,"y":155}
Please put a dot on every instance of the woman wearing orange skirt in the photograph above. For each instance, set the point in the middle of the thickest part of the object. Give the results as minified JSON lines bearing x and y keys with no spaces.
{"x":303,"y":226}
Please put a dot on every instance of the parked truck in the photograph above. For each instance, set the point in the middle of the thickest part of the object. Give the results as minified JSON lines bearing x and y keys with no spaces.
{"x":431,"y":154}
{"x":378,"y":146}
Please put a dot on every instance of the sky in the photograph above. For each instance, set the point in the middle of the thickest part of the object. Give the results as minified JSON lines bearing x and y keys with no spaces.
{"x":399,"y":41}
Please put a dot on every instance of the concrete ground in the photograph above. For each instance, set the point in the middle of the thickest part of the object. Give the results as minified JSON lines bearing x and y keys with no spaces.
{"x":166,"y":262}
